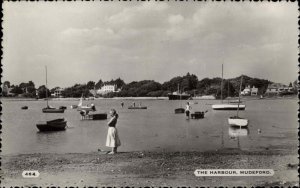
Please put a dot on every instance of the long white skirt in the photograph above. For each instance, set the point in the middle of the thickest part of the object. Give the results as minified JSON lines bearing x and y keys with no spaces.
{"x":112,"y":139}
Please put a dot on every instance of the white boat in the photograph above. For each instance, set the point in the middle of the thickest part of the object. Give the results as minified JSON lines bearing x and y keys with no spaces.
{"x":228,"y":106}
{"x":236,"y":120}
{"x":223,"y":106}
{"x":80,"y":107}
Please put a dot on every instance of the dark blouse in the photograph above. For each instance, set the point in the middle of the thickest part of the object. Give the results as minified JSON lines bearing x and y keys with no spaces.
{"x":113,"y":122}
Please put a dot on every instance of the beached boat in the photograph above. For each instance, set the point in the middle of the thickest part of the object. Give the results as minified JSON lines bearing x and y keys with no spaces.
{"x":52,"y":125}
{"x":236,"y":120}
{"x":227,"y":106}
{"x":48,"y":108}
{"x":24,"y":107}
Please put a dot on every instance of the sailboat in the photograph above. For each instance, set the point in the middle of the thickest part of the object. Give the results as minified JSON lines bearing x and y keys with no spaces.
{"x":48,"y":108}
{"x":179,"y":110}
{"x":80,"y":107}
{"x":236,"y":120}
{"x":227,"y":106}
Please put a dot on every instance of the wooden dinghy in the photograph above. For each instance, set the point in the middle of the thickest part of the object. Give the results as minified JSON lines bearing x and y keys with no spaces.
{"x":179,"y":110}
{"x":52,"y":125}
{"x":137,"y":107}
{"x":198,"y":115}
{"x":102,"y":116}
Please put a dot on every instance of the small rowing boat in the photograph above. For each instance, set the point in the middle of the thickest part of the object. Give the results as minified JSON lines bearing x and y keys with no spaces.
{"x":52,"y":125}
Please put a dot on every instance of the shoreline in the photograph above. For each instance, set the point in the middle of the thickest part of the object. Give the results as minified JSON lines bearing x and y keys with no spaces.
{"x":142,"y":168}
{"x":245,"y":98}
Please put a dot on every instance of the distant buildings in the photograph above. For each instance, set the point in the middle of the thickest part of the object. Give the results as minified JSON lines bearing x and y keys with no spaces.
{"x":57,"y":92}
{"x":277,"y":88}
{"x":107,"y":89}
{"x":250,"y":91}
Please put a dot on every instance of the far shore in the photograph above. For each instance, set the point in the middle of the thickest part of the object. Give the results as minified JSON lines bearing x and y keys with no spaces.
{"x":244,"y":98}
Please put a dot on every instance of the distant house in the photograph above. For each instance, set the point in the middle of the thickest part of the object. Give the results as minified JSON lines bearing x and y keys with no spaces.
{"x":57,"y":92}
{"x":277,"y":88}
{"x":250,"y":91}
{"x":107,"y":89}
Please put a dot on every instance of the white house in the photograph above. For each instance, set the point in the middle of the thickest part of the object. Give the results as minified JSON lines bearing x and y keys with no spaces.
{"x":250,"y":91}
{"x":57,"y":92}
{"x":107,"y":89}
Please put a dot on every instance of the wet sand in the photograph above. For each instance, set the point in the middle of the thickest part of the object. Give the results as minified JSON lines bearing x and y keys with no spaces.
{"x":150,"y":168}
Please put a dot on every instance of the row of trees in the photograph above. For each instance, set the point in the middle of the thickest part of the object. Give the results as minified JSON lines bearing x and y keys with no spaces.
{"x":146,"y":88}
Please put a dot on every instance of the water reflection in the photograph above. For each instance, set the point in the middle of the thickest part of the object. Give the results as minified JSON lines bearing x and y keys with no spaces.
{"x":235,"y":132}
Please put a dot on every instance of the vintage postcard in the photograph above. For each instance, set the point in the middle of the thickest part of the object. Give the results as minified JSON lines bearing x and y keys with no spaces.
{"x":149,"y":94}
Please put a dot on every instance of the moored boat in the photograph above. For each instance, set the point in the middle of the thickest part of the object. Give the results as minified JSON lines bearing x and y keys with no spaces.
{"x":24,"y":107}
{"x":93,"y":116}
{"x":237,"y":121}
{"x":198,"y":115}
{"x":52,"y":125}
{"x":179,"y":110}
{"x":179,"y":96}
{"x":49,"y":109}
{"x":228,"y":106}
{"x":137,"y":107}
{"x":80,"y":107}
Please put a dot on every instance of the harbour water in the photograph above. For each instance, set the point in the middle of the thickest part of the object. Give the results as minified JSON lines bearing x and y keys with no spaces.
{"x":272,"y":125}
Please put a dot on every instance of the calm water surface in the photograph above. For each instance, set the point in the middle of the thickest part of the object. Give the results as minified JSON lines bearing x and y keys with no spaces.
{"x":156,"y":128}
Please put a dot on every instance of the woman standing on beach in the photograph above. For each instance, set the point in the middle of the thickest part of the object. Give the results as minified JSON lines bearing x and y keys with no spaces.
{"x":112,"y":139}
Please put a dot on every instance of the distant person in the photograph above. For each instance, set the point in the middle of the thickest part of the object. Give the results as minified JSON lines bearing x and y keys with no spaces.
{"x":122,"y":104}
{"x":113,"y":139}
{"x":133,"y":104}
{"x":93,"y":107}
{"x":188,"y":109}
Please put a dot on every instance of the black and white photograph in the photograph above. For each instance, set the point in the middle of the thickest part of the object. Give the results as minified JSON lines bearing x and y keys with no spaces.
{"x":149,"y":94}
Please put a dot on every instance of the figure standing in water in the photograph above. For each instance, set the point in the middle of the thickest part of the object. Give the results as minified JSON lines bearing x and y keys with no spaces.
{"x":188,"y":110}
{"x":122,"y":104}
{"x":113,"y":139}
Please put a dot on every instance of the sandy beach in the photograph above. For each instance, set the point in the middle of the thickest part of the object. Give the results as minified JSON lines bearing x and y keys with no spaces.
{"x":150,"y":168}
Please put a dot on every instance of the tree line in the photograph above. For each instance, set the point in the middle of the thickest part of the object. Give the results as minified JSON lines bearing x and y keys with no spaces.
{"x":188,"y":83}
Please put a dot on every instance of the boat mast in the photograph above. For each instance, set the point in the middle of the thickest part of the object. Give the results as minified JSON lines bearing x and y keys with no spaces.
{"x":222,"y":86}
{"x":237,"y":113}
{"x":46,"y":87}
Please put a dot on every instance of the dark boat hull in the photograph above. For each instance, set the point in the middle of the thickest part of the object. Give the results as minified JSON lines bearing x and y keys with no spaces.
{"x":178,"y":97}
{"x":53,"y":110}
{"x":54,"y":125}
{"x":94,"y":117}
{"x":24,"y":107}
{"x":137,"y":107}
{"x":198,"y":115}
{"x":179,"y":110}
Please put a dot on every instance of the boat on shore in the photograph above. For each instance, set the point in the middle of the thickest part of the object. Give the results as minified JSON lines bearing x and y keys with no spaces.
{"x":179,"y":110}
{"x":179,"y":96}
{"x":52,"y":125}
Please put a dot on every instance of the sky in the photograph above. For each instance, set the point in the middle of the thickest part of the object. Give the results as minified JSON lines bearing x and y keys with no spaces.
{"x":88,"y":41}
